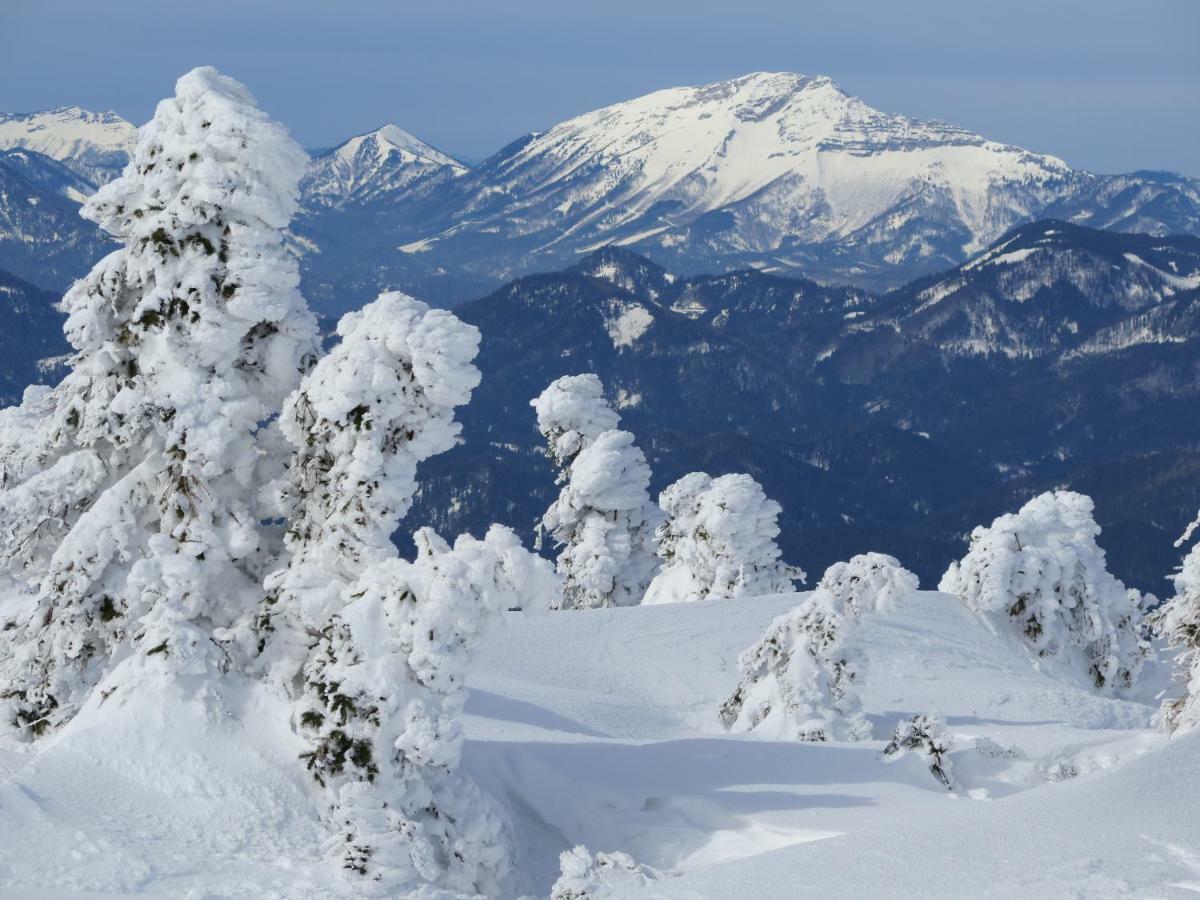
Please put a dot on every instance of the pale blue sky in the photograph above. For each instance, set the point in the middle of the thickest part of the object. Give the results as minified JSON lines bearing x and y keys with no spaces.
{"x":1109,"y":85}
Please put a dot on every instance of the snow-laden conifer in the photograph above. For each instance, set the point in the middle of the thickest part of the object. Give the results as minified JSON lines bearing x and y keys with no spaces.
{"x":383,"y":695}
{"x":603,"y":520}
{"x":1040,"y":574}
{"x":801,"y":680}
{"x":130,"y":491}
{"x":718,"y":540}
{"x":584,"y":876}
{"x":376,"y":405}
{"x":1179,"y":622}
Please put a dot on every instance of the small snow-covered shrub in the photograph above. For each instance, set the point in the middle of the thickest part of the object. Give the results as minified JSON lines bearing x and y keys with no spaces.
{"x":599,"y":877}
{"x":718,"y":541}
{"x":383,"y":696}
{"x":603,"y":519}
{"x":1040,"y":573}
{"x":129,"y":494}
{"x":924,"y":734}
{"x":1179,"y":621}
{"x":799,"y":682}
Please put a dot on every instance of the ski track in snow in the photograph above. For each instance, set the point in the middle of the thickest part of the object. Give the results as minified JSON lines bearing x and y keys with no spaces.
{"x":599,"y":727}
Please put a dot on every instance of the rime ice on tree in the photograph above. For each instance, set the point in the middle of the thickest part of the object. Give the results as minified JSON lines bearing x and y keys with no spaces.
{"x":603,"y":518}
{"x":130,"y":502}
{"x":1040,"y":574}
{"x":800,"y":681}
{"x":372,"y":409}
{"x":718,"y":541}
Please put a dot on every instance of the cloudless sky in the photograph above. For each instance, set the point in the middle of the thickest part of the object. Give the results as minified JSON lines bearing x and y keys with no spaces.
{"x":1109,"y":85}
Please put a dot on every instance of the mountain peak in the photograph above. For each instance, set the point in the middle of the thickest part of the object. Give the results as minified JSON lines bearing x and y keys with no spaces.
{"x":371,"y":165}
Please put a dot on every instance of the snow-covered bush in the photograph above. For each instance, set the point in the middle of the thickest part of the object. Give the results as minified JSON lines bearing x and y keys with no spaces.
{"x":869,"y":582}
{"x":1179,"y":621}
{"x":379,"y":403}
{"x":603,"y":519}
{"x":1040,"y":573}
{"x":600,"y":877}
{"x":800,"y":681}
{"x":130,"y":501}
{"x":383,"y":694}
{"x":925,"y":734}
{"x":718,"y":541}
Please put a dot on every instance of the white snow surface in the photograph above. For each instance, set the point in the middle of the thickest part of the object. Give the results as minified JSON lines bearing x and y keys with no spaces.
{"x":599,"y":728}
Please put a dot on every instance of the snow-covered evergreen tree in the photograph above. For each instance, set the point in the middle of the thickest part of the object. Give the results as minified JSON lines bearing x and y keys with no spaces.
{"x":718,"y":541}
{"x":800,"y":681}
{"x":381,"y":401}
{"x":603,"y":519}
{"x":1179,"y":621}
{"x":130,"y":491}
{"x":599,"y":877}
{"x":926,"y":735}
{"x":1041,"y":574}
{"x":384,"y":692}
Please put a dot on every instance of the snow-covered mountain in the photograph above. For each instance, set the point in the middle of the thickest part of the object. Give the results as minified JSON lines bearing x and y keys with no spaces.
{"x":95,"y":145}
{"x":1050,"y":287}
{"x":372,"y":166}
{"x":779,"y":171}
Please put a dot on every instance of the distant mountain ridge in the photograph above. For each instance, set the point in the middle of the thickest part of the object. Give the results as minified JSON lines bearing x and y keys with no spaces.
{"x":776,"y":171}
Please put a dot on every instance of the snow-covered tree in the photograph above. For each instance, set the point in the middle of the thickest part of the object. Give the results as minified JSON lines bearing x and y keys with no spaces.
{"x":383,"y":695}
{"x":1179,"y":621}
{"x":718,"y":541}
{"x":926,"y":735}
{"x":603,"y":519}
{"x":1040,"y":574}
{"x":380,"y":402}
{"x":599,"y":877}
{"x":800,"y":681}
{"x":130,"y":504}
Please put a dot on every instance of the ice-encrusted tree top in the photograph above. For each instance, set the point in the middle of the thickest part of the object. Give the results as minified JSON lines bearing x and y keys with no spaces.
{"x":869,"y":582}
{"x":1040,"y":572}
{"x":571,"y":414}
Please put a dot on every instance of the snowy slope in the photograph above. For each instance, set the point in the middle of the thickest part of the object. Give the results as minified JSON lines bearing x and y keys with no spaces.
{"x":96,"y":145}
{"x":373,"y":165}
{"x":600,"y":727}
